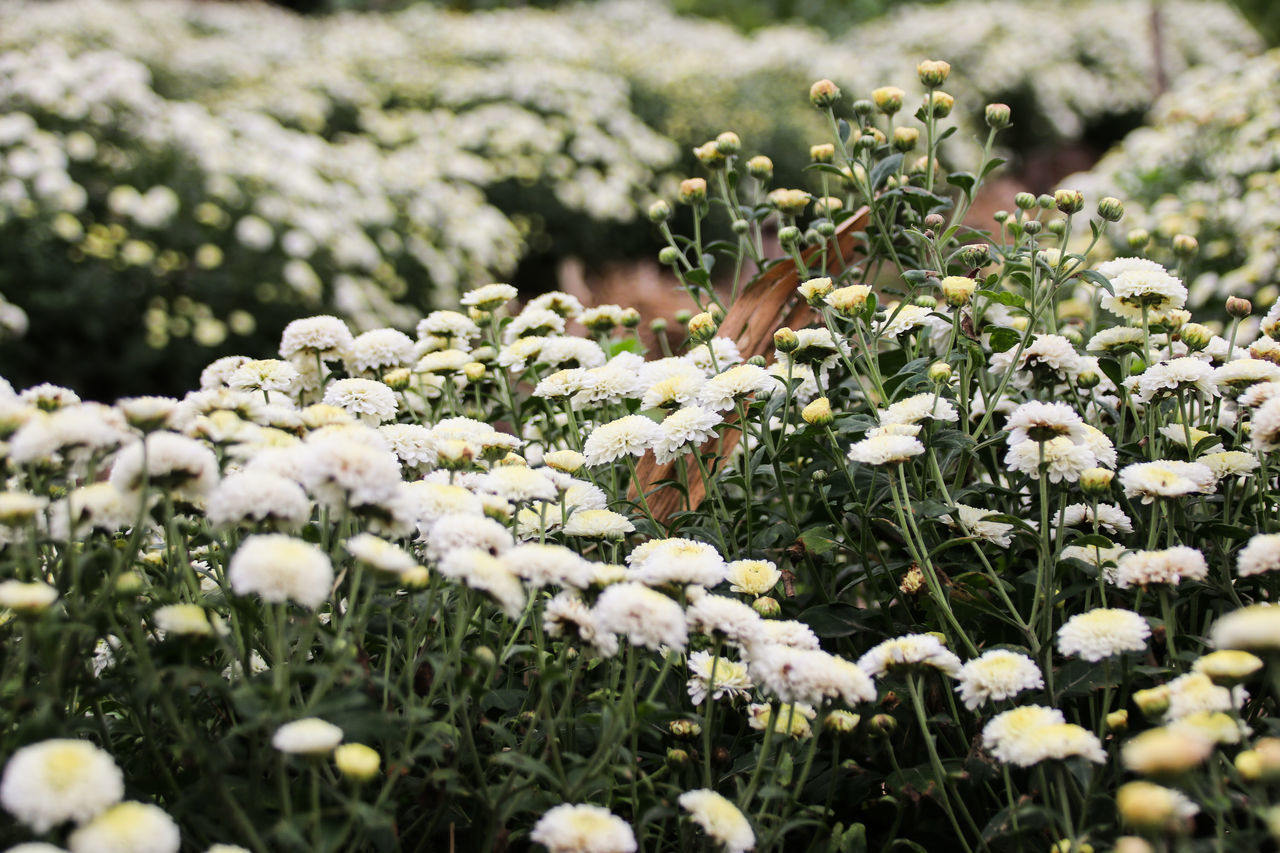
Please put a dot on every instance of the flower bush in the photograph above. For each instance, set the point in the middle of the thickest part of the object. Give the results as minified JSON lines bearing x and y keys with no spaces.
{"x":1206,"y":168}
{"x":984,"y":556}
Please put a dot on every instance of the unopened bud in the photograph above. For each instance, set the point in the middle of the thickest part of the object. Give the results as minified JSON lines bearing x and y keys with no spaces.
{"x":1069,"y":201}
{"x":998,"y":116}
{"x":1111,"y":209}
{"x":1001,"y":216}
{"x":683,"y":316}
{"x":1185,"y":246}
{"x":789,"y":236}
{"x":905,"y":139}
{"x":826,"y":229}
{"x":1033,"y":226}
{"x":786,"y":340}
{"x":1096,"y":482}
{"x":357,"y":761}
{"x":692,"y":191}
{"x":740,"y":226}
{"x":1196,"y":336}
{"x":789,"y":202}
{"x":888,"y":99}
{"x":933,"y":72}
{"x":958,"y":290}
{"x":677,"y":757}
{"x":1057,"y":227}
{"x":760,"y":167}
{"x":925,"y":301}
{"x":1118,"y":721}
{"x":669,"y":256}
{"x":883,"y":724}
{"x":766,"y":607}
{"x":685,"y":728}
{"x":818,"y":413}
{"x":1024,"y":201}
{"x":1088,"y":379}
{"x":841,"y":722}
{"x":630,"y":318}
{"x":938,"y":104}
{"x":1137,"y":239}
{"x":709,"y":155}
{"x":976,"y":255}
{"x":1152,"y":702}
{"x":824,"y":153}
{"x":474,"y":371}
{"x":1045,"y":201}
{"x":939,"y":373}
{"x":1249,"y":765}
{"x":757,"y":361}
{"x":824,"y":94}
{"x":728,"y":143}
{"x":702,"y":327}
{"x":659,"y":211}
{"x":1239,"y":307}
{"x":815,"y":289}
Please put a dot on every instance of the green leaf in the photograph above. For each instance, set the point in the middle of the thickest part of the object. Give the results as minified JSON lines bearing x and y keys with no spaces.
{"x":1097,"y":278}
{"x":1093,"y":540}
{"x":1003,"y":339}
{"x":1229,"y":531}
{"x":834,"y":620}
{"x":881,"y":171}
{"x":995,"y":163}
{"x":1004,"y":297}
{"x":815,"y":542}
{"x":825,"y":167}
{"x":963,"y":180}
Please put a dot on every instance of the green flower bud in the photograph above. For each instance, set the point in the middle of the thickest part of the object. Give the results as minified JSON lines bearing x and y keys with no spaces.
{"x":998,"y":116}
{"x":824,"y":94}
{"x":760,"y":167}
{"x":1138,"y":239}
{"x":1069,"y":201}
{"x":659,"y":211}
{"x":728,"y":143}
{"x":669,"y":256}
{"x":933,"y":73}
{"x":1024,"y":201}
{"x":1111,"y":209}
{"x":888,"y":99}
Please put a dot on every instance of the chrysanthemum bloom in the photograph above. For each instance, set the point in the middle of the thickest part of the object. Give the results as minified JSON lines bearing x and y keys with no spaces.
{"x":1137,"y":284}
{"x":308,"y":736}
{"x":1166,"y":478}
{"x":1235,"y":376}
{"x":1102,"y":633}
{"x":543,"y":565}
{"x":972,"y":523}
{"x":1214,"y":726}
{"x":324,"y":336}
{"x":187,"y":620}
{"x":489,"y":297}
{"x":1230,"y":463}
{"x":130,"y":827}
{"x":1262,"y":554}
{"x":568,"y":612}
{"x":481,"y":570}
{"x":997,"y":675}
{"x":28,"y":598}
{"x":1153,"y":808}
{"x":1053,"y":742}
{"x":1003,"y":735}
{"x":1193,"y":692}
{"x":379,"y":554}
{"x":258,"y":497}
{"x":1165,"y":752}
{"x":1255,"y":628}
{"x":631,"y":434}
{"x":267,"y":374}
{"x":885,"y":450}
{"x":1265,"y":435}
{"x":370,"y":400}
{"x":792,"y":720}
{"x":281,"y":568}
{"x":753,"y":577}
{"x":451,"y":532}
{"x":1228,"y":667}
{"x":647,"y":617}
{"x":174,"y":462}
{"x":519,"y":484}
{"x":917,"y":408}
{"x":910,"y":651}
{"x":1109,"y":517}
{"x":570,"y":828}
{"x":682,"y":429}
{"x":100,"y":506}
{"x":900,"y":319}
{"x":1117,"y":336}
{"x":684,"y":561}
{"x":448,"y":362}
{"x":730,"y":678}
{"x":723,"y":390}
{"x":448,"y":329}
{"x":379,"y":349}
{"x":720,"y":819}
{"x":809,"y":675}
{"x":1064,"y":459}
{"x":1171,"y":566}
{"x":357,"y":761}
{"x":726,"y":617}
{"x":1037,"y":421}
{"x":1172,"y":377}
{"x":58,"y":780}
{"x":848,"y":300}
{"x":598,"y":524}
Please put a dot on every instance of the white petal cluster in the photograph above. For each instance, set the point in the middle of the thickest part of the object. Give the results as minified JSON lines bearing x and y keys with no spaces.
{"x":1102,"y":633}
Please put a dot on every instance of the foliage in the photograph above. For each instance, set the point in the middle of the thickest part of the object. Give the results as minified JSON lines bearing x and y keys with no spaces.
{"x":992,"y":443}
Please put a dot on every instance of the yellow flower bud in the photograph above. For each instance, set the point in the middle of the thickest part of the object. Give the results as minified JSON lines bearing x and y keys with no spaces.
{"x":357,"y":761}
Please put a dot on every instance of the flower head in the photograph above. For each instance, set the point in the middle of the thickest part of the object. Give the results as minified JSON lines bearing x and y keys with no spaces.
{"x":997,"y":675}
{"x":720,"y":819}
{"x":582,"y":828}
{"x":1102,"y":633}
{"x":53,"y":781}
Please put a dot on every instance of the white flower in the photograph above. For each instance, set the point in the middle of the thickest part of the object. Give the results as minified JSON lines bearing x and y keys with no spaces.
{"x":716,"y":614}
{"x":280,"y":568}
{"x":885,"y":450}
{"x":188,"y":620}
{"x":1041,"y":422}
{"x":488,"y":297}
{"x":1166,"y":479}
{"x":1265,"y":425}
{"x":1108,"y":516}
{"x":181,"y":465}
{"x":997,"y":675}
{"x":481,"y":570}
{"x":1230,"y":463}
{"x":308,"y":736}
{"x":577,"y":352}
{"x":1194,"y":692}
{"x":900,"y":319}
{"x":1255,"y":627}
{"x":790,"y":719}
{"x":809,"y":675}
{"x":611,"y":383}
{"x":1173,"y":376}
{"x":647,"y":617}
{"x":1004,"y":734}
{"x":519,"y":483}
{"x":570,"y":828}
{"x":1114,"y":338}
{"x":787,"y":632}
{"x":628,"y":435}
{"x":368,"y":399}
{"x":568,"y":609}
{"x":598,"y":524}
{"x":27,"y":597}
{"x":753,"y":577}
{"x":258,"y":497}
{"x":720,"y":819}
{"x":972,"y":523}
{"x":917,"y":408}
{"x":729,"y":678}
{"x":53,"y":781}
{"x":266,"y":374}
{"x":324,"y":336}
{"x":910,"y":650}
{"x":380,"y":349}
{"x":380,"y":554}
{"x":342,"y":472}
{"x":1235,"y":376}
{"x":1052,"y":742}
{"x":1139,"y":285}
{"x":533,"y":321}
{"x":549,"y":565}
{"x":1171,"y":566}
{"x":100,"y":506}
{"x":1102,"y":633}
{"x":455,"y":531}
{"x":1262,"y":554}
{"x":682,"y":429}
{"x":715,"y":355}
{"x":685,"y":561}
{"x":413,"y":444}
{"x":130,"y":827}
{"x":723,"y":390}
{"x":1063,"y":458}
{"x":456,"y":329}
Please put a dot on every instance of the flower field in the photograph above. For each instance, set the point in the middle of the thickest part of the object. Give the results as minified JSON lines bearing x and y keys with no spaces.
{"x":918,"y":535}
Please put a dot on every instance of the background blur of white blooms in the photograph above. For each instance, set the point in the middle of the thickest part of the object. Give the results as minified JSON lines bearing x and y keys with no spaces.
{"x":980,"y":552}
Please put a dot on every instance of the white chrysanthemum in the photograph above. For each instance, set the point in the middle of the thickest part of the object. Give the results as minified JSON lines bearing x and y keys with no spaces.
{"x":70,"y":434}
{"x":281,"y":568}
{"x":380,"y":349}
{"x":631,"y":434}
{"x":684,"y":561}
{"x":549,"y":565}
{"x":728,"y":678}
{"x":1102,"y":633}
{"x":682,"y":429}
{"x":917,"y":408}
{"x":430,"y":501}
{"x":518,"y":483}
{"x":570,"y":828}
{"x":1053,"y":742}
{"x":1256,"y":627}
{"x":324,"y":335}
{"x":454,"y":531}
{"x":488,"y":297}
{"x":1004,"y":733}
{"x":341,"y":472}
{"x":728,"y":617}
{"x":183,"y":466}
{"x":1235,"y":376}
{"x":1108,"y":516}
{"x":1063,"y":458}
{"x":368,"y":399}
{"x":1258,"y":394}
{"x":1265,"y":425}
{"x":1261,"y":554}
{"x":533,"y":321}
{"x":568,"y":610}
{"x":1166,"y":751}
{"x":720,"y":819}
{"x":479,"y":569}
{"x":516,"y":355}
{"x":572,"y":352}
{"x":753,"y":577}
{"x":972,"y":522}
{"x":564,"y":383}
{"x":446,"y":362}
{"x":185,"y":620}
{"x":565,"y":304}
{"x":679,"y":389}
{"x":1166,"y":478}
{"x":216,"y":374}
{"x":715,"y":355}
{"x":130,"y":827}
{"x":53,"y":781}
{"x":900,"y":319}
{"x":910,"y":650}
{"x":380,"y":554}
{"x":786,"y":632}
{"x":598,"y":524}
{"x":1137,"y":286}
{"x":258,"y":497}
{"x":413,"y":444}
{"x":100,"y":506}
{"x":1171,"y":566}
{"x":1037,"y":421}
{"x":723,"y":390}
{"x":809,"y":675}
{"x":458,"y":328}
{"x":1052,"y":353}
{"x":49,"y":397}
{"x":1174,"y":376}
{"x":997,"y":675}
{"x":791,"y":719}
{"x":20,"y":508}
{"x":1114,"y":338}
{"x":885,"y":450}
{"x":1230,"y":463}
{"x":265,"y":374}
{"x":613,"y":382}
{"x":1194,"y":692}
{"x":308,"y":736}
{"x":24,"y":597}
{"x":647,"y":617}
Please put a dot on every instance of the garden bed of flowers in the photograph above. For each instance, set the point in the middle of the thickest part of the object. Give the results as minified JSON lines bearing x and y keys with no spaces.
{"x":979,"y":555}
